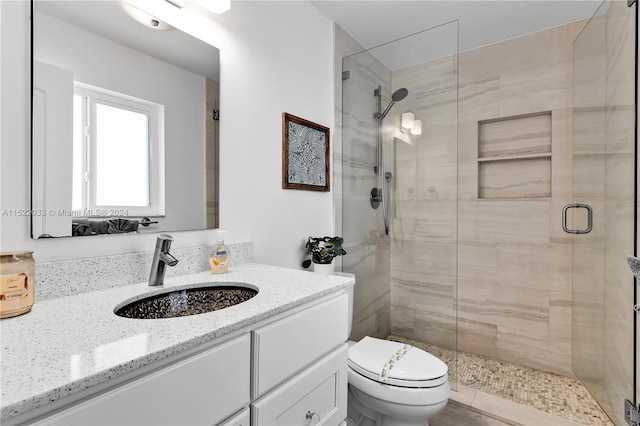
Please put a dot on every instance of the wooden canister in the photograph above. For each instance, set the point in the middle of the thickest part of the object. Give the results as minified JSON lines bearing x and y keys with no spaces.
{"x":17,"y":271}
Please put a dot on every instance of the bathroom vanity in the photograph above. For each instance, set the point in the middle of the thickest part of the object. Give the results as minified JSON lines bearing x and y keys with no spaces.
{"x":279,"y":358}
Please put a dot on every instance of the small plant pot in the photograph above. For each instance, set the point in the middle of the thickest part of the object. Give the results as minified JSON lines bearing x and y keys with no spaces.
{"x":323,"y":268}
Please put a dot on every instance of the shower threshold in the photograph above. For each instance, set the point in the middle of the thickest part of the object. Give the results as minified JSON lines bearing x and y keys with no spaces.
{"x":514,"y":394}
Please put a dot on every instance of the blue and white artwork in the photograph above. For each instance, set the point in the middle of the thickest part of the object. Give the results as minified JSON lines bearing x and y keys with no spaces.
{"x":306,"y":155}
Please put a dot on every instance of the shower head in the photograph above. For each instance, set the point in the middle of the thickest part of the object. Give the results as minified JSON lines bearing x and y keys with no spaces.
{"x":397,"y":96}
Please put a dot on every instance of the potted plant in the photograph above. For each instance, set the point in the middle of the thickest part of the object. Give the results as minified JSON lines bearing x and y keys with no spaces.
{"x":321,"y":251}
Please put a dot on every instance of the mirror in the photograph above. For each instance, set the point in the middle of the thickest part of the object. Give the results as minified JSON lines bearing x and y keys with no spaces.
{"x":124,"y":123}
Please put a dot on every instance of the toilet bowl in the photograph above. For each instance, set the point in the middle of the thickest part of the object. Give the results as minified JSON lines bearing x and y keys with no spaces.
{"x":393,"y":384}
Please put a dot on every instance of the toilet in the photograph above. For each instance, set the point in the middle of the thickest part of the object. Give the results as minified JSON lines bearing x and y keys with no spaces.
{"x":415,"y":388}
{"x":393,"y":384}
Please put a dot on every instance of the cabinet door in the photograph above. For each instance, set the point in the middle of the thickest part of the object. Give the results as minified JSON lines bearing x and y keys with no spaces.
{"x":318,"y":396}
{"x":201,"y":390}
{"x":286,"y":346}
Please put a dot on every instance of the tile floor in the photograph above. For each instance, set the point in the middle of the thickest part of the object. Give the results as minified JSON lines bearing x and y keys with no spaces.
{"x":561,"y":396}
{"x":457,"y":414}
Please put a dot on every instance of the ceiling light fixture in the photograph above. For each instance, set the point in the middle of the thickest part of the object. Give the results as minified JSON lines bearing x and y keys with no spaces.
{"x":144,"y":18}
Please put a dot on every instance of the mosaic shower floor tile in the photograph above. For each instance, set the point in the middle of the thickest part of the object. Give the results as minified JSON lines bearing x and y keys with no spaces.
{"x":562,"y":396}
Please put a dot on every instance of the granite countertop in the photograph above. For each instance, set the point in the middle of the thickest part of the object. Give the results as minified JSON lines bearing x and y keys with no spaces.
{"x":71,"y":343}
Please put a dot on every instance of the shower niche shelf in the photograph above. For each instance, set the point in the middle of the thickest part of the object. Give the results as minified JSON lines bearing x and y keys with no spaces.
{"x":514,"y":157}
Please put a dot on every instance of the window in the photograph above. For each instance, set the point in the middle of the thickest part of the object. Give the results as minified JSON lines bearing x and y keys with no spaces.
{"x":118,"y":154}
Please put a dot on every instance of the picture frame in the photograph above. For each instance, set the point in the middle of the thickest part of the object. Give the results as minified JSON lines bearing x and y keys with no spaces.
{"x":305,"y":154}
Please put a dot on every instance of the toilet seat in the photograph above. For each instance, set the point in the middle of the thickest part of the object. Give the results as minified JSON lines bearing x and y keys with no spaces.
{"x":415,"y":368}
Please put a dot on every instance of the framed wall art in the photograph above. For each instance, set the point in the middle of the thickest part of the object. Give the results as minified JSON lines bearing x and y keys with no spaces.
{"x":305,"y":154}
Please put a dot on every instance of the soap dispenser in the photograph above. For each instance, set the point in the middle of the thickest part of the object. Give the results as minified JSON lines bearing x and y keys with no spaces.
{"x":220,"y":256}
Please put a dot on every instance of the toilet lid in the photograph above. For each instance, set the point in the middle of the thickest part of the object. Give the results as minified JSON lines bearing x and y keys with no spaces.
{"x":396,"y":364}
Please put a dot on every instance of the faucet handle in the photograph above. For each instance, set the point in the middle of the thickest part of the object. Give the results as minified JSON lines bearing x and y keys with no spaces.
{"x":163,"y":242}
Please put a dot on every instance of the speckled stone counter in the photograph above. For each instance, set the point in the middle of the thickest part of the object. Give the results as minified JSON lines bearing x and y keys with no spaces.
{"x":58,"y":279}
{"x":68,"y":344}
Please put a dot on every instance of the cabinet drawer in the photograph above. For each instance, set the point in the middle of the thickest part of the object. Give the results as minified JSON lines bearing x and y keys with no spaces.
{"x":285,"y":347}
{"x":320,"y":392}
{"x":202,"y":390}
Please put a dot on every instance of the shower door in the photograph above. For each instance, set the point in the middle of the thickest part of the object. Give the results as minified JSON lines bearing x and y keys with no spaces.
{"x":406,"y":282}
{"x":603,"y":215}
{"x":368,"y":248}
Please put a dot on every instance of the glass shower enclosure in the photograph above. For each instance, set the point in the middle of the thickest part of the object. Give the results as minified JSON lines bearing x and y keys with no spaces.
{"x":406,"y":280}
{"x":603,"y":215}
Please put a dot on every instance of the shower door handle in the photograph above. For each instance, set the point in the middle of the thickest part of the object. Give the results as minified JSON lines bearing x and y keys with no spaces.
{"x":589,"y":218}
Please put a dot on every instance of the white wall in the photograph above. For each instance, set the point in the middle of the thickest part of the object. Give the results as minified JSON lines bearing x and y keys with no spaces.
{"x":279,"y":59}
{"x":275,"y":57}
{"x":52,"y":148}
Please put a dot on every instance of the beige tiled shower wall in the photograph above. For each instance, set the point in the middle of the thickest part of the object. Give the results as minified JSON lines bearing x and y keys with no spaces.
{"x":424,"y":235}
{"x":513,"y":259}
{"x":355,"y":149}
{"x":344,"y":45}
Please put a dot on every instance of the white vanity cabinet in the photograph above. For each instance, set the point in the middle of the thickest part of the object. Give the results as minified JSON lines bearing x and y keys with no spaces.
{"x":243,"y":418}
{"x":286,"y":346}
{"x":317,"y":396}
{"x":201,"y":390}
{"x":289,"y":369}
{"x":300,"y":367}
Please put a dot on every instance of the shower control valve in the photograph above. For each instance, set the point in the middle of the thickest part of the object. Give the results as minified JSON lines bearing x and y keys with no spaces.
{"x":376,"y":197}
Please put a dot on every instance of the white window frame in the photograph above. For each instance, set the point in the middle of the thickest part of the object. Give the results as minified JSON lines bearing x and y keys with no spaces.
{"x":155,"y":112}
